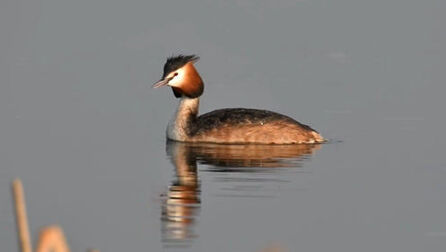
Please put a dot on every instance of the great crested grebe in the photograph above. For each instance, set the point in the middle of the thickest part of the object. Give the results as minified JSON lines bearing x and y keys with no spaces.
{"x":234,"y":125}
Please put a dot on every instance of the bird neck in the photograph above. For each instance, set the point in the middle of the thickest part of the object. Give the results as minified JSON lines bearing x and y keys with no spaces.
{"x":180,"y":127}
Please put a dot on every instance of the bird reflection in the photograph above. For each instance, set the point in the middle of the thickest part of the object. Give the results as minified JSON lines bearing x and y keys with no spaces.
{"x":181,"y":203}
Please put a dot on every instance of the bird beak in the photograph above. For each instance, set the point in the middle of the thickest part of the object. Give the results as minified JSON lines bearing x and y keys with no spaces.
{"x":161,"y":83}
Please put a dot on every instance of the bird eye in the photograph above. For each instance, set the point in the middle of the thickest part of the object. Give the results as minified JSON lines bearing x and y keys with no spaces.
{"x":175,"y":74}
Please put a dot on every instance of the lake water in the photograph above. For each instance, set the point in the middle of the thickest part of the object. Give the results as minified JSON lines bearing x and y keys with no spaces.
{"x":82,"y":128}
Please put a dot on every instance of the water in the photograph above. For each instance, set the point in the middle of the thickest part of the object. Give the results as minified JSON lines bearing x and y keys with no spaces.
{"x":84,"y":131}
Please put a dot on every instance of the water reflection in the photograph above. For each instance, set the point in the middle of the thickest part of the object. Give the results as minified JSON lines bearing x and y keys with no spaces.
{"x":240,"y":156}
{"x":181,"y":203}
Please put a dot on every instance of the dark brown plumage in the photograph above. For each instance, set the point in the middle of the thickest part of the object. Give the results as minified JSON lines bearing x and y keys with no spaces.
{"x":240,"y":125}
{"x":240,"y":117}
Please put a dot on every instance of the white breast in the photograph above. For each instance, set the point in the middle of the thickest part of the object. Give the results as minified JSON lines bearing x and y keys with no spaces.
{"x":176,"y":129}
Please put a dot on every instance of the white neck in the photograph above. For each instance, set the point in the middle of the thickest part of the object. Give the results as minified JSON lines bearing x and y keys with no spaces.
{"x":179,"y":126}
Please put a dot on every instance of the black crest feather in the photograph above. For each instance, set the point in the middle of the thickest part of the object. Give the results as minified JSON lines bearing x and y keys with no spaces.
{"x":175,"y":62}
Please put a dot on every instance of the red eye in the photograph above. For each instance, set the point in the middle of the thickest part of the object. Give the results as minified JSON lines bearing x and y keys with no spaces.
{"x":175,"y":74}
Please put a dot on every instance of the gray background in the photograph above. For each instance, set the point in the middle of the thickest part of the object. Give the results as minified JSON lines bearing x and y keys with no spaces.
{"x":82,"y":128}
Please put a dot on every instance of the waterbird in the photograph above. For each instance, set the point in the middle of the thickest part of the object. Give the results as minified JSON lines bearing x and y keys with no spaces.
{"x":224,"y":126}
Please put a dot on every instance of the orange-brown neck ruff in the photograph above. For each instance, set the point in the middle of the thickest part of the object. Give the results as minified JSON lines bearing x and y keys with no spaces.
{"x":192,"y":85}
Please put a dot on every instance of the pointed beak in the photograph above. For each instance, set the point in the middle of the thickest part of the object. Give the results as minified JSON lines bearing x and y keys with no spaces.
{"x":161,"y":83}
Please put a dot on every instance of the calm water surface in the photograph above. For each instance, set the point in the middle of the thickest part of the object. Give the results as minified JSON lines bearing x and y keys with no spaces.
{"x":81,"y":127}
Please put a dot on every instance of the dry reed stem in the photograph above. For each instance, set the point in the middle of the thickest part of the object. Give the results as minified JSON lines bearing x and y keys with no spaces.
{"x":52,"y":238}
{"x":21,"y":216}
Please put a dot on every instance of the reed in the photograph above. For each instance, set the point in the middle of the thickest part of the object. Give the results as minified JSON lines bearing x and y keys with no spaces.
{"x":51,"y":238}
{"x":21,"y":216}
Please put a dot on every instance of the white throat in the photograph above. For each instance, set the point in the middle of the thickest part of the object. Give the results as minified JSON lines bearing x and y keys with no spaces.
{"x":178,"y":126}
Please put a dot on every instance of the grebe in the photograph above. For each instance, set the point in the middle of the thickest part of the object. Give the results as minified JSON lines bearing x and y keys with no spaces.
{"x":235,"y":125}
